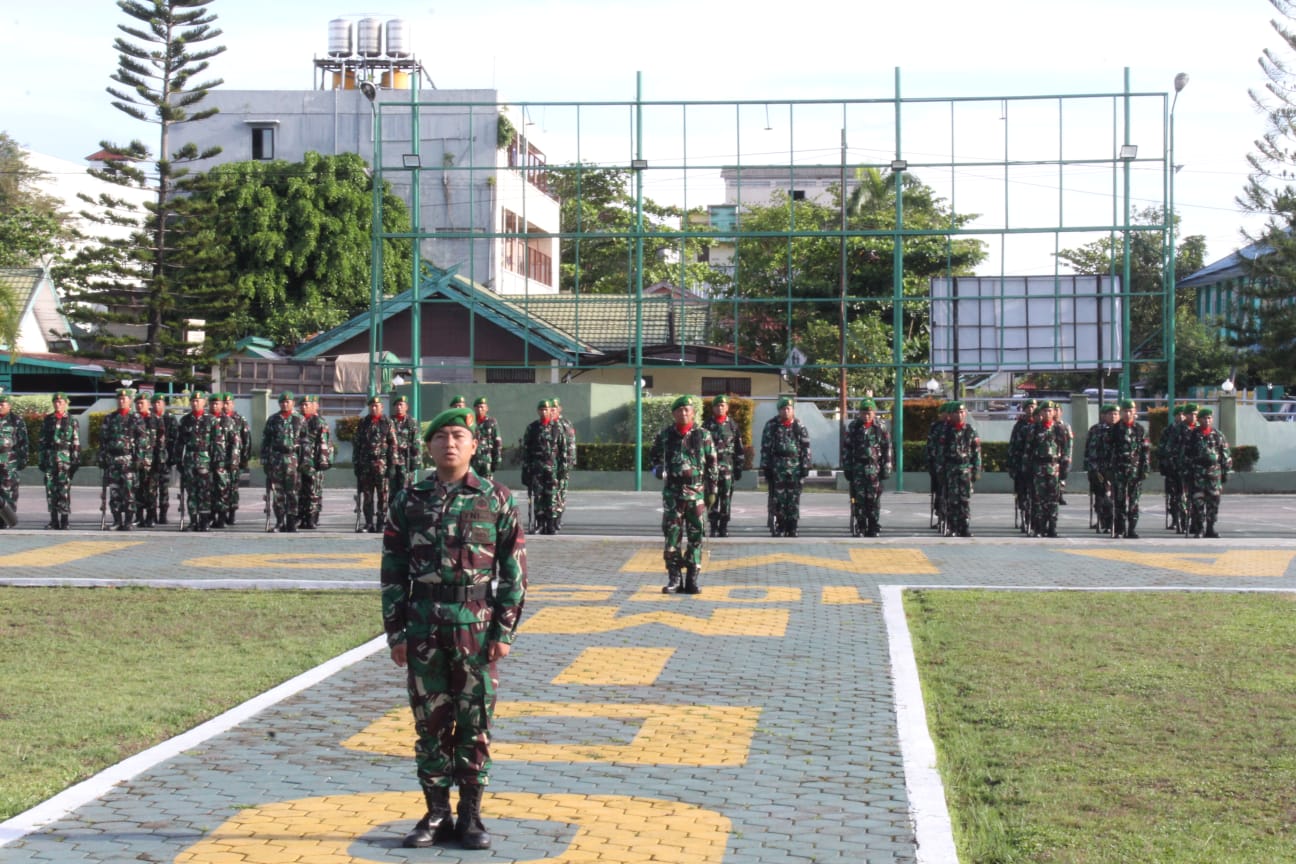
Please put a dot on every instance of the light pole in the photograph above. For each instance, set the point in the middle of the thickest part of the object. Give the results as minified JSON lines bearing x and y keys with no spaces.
{"x":1171,"y":288}
{"x":375,"y":229}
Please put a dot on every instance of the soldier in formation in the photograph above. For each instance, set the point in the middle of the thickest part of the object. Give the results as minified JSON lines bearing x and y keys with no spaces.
{"x":281,"y":458}
{"x":405,"y":457}
{"x":192,"y":454}
{"x":866,"y":459}
{"x":1100,"y":490}
{"x":316,"y":458}
{"x":1169,"y":451}
{"x":226,"y":457}
{"x":169,"y":424}
{"x":239,"y":448}
{"x":120,"y":447}
{"x":568,"y":432}
{"x":13,"y":458}
{"x":1125,"y":461}
{"x":1206,"y":452}
{"x":785,"y":464}
{"x":451,"y":624}
{"x":375,"y":453}
{"x":544,"y":465}
{"x":490,"y":446}
{"x":1021,"y":479}
{"x":1047,"y":459}
{"x":956,"y":452}
{"x":683,"y":455}
{"x":730,"y":456}
{"x":152,"y":449}
{"x":60,"y":456}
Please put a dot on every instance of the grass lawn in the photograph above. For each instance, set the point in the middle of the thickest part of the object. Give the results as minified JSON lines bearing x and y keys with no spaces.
{"x":89,"y":676}
{"x":1112,"y":727}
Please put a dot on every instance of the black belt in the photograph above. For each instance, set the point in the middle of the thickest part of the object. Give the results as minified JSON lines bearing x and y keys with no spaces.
{"x":439,"y":592}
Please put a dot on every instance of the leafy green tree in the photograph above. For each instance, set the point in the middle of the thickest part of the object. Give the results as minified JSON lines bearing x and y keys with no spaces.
{"x":298,"y":236}
{"x":32,"y":226}
{"x":126,"y":286}
{"x":787,"y":285}
{"x":601,"y":201}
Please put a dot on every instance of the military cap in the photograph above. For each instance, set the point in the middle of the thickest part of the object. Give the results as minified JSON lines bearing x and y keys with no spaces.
{"x":1029,"y":402}
{"x":449,"y":417}
{"x":396,"y":400}
{"x":198,"y":394}
{"x":956,"y":405}
{"x":159,"y":397}
{"x":1126,"y":404}
{"x":1180,"y":409}
{"x":867,"y":405}
{"x":784,"y":401}
{"x":1190,"y":408}
{"x":1107,"y":408}
{"x":554,"y":403}
{"x":480,"y":400}
{"x":375,"y":400}
{"x":1205,"y":412}
{"x":681,"y":401}
{"x":125,"y":391}
{"x":720,"y":400}
{"x":286,"y":396}
{"x":59,"y":395}
{"x":4,"y":395}
{"x":458,"y":400}
{"x":141,"y":396}
{"x":543,"y":403}
{"x":310,"y":397}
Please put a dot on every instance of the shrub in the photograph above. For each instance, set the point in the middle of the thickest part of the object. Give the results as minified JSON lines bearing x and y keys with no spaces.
{"x":1245,"y":457}
{"x":994,"y":456}
{"x":345,"y":427}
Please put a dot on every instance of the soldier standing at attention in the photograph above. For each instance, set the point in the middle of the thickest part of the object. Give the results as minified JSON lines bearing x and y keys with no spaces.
{"x":1210,"y":460}
{"x":225,"y":459}
{"x":446,"y":540}
{"x":374,"y":452}
{"x":152,"y":448}
{"x":684,"y":456}
{"x":459,"y":401}
{"x":785,"y":463}
{"x":544,"y":453}
{"x":935,"y":453}
{"x":1049,"y":463}
{"x":730,"y":456}
{"x":1099,"y":485}
{"x":240,"y":431}
{"x":1128,"y":451}
{"x":316,"y":458}
{"x":13,"y":458}
{"x":1021,"y":432}
{"x":405,"y":458}
{"x":193,"y":453}
{"x":60,"y":457}
{"x":490,"y":446}
{"x":119,"y":450}
{"x":1168,"y":450}
{"x":167,"y":428}
{"x":1179,"y":458}
{"x":867,"y":462}
{"x":280,"y":457}
{"x":568,"y":431}
{"x":960,"y":468}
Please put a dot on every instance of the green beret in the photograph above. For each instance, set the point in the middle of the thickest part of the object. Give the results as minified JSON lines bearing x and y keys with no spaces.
{"x":125,"y":391}
{"x":396,"y":400}
{"x":59,"y":395}
{"x":286,"y":396}
{"x":1205,"y":412}
{"x":375,"y":400}
{"x":784,"y":401}
{"x":681,"y":401}
{"x":956,"y":405}
{"x":480,"y":400}
{"x":311,"y":397}
{"x":554,"y":403}
{"x":198,"y":394}
{"x":158,"y":397}
{"x":449,"y":417}
{"x":1190,"y":408}
{"x":141,"y":396}
{"x":867,"y":405}
{"x":1029,"y":402}
{"x":720,"y":400}
{"x":458,"y":400}
{"x":1126,"y":404}
{"x":542,"y":404}
{"x":1107,"y":408}
{"x":4,"y":397}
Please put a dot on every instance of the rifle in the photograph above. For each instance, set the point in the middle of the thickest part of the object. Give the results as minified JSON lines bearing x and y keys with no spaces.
{"x":854,"y":523}
{"x":359,"y":513}
{"x":183,"y":496}
{"x":530,"y":523}
{"x":7,"y":515}
{"x":103,"y":502}
{"x":770,"y":522}
{"x":269,"y":506}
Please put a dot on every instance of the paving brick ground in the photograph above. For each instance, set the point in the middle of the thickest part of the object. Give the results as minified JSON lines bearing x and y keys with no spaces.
{"x":752,"y":723}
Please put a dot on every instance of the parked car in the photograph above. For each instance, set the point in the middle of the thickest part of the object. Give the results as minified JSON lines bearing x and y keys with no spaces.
{"x":1285,"y":413}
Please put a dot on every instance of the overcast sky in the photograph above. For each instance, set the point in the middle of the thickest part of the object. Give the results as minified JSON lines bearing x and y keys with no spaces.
{"x":59,"y":57}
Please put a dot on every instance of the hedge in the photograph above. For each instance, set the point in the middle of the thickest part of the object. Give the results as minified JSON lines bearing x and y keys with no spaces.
{"x":994,"y":455}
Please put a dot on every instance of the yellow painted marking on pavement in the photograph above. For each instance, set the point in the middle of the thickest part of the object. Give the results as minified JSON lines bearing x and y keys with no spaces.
{"x":625,"y":666}
{"x":325,"y":830}
{"x":65,"y":553}
{"x":1244,"y":562}
{"x":290,"y":561}
{"x":873,"y":560}
{"x":603,"y":619}
{"x":843,"y":595}
{"x":727,"y":594}
{"x":715,"y":735}
{"x":557,"y":592}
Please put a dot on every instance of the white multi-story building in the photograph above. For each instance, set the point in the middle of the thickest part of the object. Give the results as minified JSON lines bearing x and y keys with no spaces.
{"x":481,"y":182}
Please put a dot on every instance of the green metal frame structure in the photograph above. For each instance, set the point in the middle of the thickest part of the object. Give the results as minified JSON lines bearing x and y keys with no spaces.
{"x":1041,"y":173}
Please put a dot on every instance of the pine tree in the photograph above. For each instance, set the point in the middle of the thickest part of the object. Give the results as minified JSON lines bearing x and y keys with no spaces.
{"x":127,"y":286}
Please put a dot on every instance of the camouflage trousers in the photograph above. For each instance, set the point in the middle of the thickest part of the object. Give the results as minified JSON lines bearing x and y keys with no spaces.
{"x":282,"y":480}
{"x":225,"y":489}
{"x":399,"y":479}
{"x":1206,"y":488}
{"x":544,"y":494}
{"x":198,"y":492}
{"x":372,"y":488}
{"x":1126,"y":492}
{"x":1046,"y":487}
{"x":310,"y":495}
{"x":145,"y":490}
{"x":683,"y":513}
{"x":162,"y":490}
{"x":1102,"y":500}
{"x":9,"y":483}
{"x":560,"y":495}
{"x":724,"y":496}
{"x":452,"y":695}
{"x":1176,"y":500}
{"x":785,"y":499}
{"x":58,"y":490}
{"x":119,"y":477}
{"x":957,"y":497}
{"x":866,"y":497}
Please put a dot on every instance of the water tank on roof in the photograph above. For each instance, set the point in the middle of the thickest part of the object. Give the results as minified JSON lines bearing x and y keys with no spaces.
{"x":339,"y":38}
{"x":369,"y":37}
{"x":398,"y":38}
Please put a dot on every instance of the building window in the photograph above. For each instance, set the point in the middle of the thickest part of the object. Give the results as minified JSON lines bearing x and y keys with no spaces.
{"x":510,"y":376}
{"x":798,"y":194}
{"x":263,"y":142}
{"x":727,"y":386}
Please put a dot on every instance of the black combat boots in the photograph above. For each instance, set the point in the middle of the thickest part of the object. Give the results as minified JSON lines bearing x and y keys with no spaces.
{"x":724,"y":526}
{"x":690,"y":581}
{"x":437,"y":827}
{"x":469,"y":827}
{"x":672,"y":579}
{"x":1210,"y":529}
{"x":791,"y":528}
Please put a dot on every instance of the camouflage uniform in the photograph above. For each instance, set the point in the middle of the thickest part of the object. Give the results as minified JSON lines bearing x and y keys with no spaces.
{"x":443,"y":545}
{"x":730,"y":456}
{"x":1049,"y":463}
{"x":227,"y":460}
{"x":60,"y":456}
{"x":686,"y":461}
{"x":1021,"y":433}
{"x":168,"y":429}
{"x":490,"y":447}
{"x":281,"y":458}
{"x":1126,"y":461}
{"x":960,"y":467}
{"x":374,"y":450}
{"x":1099,"y":487}
{"x":568,"y":465}
{"x":867,"y":462}
{"x":935,"y":456}
{"x":1169,"y":450}
{"x":316,"y":457}
{"x":405,"y":456}
{"x":13,"y":457}
{"x":152,"y":449}
{"x":120,"y":447}
{"x":1210,"y":462}
{"x":1183,"y":467}
{"x":544,"y":462}
{"x":785,"y":463}
{"x":193,"y":453}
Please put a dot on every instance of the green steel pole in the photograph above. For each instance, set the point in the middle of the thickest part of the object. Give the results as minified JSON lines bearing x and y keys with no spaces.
{"x":376,"y":250}
{"x":897,"y":299}
{"x":638,"y":266}
{"x":416,"y":304}
{"x":842,"y":400}
{"x":1171,"y":287}
{"x":1125,"y":252}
